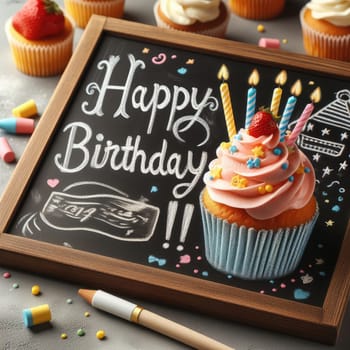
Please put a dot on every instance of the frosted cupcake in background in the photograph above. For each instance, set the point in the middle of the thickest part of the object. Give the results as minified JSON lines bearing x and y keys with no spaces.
{"x":326,"y":28}
{"x":82,"y":10}
{"x":208,"y":17}
{"x":258,"y":205}
{"x":40,"y":38}
{"x":257,"y":9}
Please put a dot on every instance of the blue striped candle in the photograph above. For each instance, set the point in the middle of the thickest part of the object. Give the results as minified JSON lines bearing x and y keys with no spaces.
{"x":287,"y":113}
{"x":251,"y":101}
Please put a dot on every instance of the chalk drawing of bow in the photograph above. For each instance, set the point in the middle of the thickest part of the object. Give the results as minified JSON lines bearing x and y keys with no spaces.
{"x":159,"y":261}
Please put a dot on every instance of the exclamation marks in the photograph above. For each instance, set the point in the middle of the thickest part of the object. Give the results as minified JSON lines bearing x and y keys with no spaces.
{"x":172,"y":210}
{"x":186,"y":221}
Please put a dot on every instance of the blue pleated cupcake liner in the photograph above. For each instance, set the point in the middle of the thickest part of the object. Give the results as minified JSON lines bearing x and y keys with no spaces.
{"x":253,"y":254}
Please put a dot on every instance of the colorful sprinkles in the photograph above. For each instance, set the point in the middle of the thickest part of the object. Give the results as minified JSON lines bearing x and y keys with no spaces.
{"x":36,"y":290}
{"x":6,"y":275}
{"x":239,"y":181}
{"x":100,"y":334}
{"x":81,"y":332}
{"x":277,"y":151}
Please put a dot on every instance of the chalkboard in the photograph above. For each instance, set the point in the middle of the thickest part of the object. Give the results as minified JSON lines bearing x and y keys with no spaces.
{"x":114,"y":171}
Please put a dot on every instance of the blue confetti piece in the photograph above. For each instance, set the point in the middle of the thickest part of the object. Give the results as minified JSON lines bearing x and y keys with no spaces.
{"x":336,"y":208}
{"x":300,"y":294}
{"x":154,"y":189}
{"x":182,"y":70}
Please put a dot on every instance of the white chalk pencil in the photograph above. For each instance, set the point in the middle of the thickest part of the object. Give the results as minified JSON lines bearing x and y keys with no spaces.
{"x":137,"y":314}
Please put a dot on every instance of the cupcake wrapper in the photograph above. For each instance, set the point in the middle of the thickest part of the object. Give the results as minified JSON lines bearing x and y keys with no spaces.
{"x":218,"y":31}
{"x":253,"y":254}
{"x":324,"y":45}
{"x":82,"y":10}
{"x":257,"y":9}
{"x":40,"y":61}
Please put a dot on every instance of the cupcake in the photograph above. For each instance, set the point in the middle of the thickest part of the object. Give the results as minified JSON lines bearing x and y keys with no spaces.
{"x":258,"y":206}
{"x":82,"y":10}
{"x":257,"y":9}
{"x":326,"y":28}
{"x":196,"y":16}
{"x":40,"y":38}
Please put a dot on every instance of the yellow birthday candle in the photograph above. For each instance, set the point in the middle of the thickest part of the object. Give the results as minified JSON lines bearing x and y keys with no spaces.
{"x":223,"y":75}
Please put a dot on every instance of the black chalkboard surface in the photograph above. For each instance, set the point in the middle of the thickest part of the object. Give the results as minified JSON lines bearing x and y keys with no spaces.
{"x":115,"y":170}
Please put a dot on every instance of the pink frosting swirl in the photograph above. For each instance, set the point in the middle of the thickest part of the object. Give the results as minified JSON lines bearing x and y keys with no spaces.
{"x":261,"y":175}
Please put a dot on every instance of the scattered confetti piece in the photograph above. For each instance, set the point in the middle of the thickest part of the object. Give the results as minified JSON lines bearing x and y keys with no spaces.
{"x":64,"y":336}
{"x":36,"y":290}
{"x":81,"y":332}
{"x":100,"y":334}
{"x":6,"y":275}
{"x":260,"y":28}
{"x":87,"y":314}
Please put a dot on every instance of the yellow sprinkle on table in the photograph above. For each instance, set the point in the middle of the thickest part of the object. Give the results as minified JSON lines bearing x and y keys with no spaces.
{"x":36,"y":290}
{"x":64,"y":336}
{"x":260,"y":28}
{"x":87,"y":314}
{"x":100,"y":334}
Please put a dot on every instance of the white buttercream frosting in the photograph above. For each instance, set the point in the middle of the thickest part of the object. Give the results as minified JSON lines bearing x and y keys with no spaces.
{"x":187,"y":12}
{"x":336,"y":12}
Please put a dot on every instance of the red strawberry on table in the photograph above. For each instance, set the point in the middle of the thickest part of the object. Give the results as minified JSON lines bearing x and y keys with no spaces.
{"x":262,"y":124}
{"x":39,"y":19}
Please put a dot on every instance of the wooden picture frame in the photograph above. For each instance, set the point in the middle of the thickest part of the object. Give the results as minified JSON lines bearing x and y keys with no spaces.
{"x":316,"y":322}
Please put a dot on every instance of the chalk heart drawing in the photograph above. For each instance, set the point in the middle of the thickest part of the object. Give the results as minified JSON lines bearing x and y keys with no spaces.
{"x":53,"y":182}
{"x":182,"y":70}
{"x":300,"y":294}
{"x":160,"y":59}
{"x":185,"y":259}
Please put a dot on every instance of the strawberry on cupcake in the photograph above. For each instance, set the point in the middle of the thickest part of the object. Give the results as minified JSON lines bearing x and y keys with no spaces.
{"x":262,"y":124}
{"x":40,"y":38}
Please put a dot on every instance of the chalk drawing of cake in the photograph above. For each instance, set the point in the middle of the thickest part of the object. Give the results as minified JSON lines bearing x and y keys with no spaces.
{"x":332,"y":123}
{"x":101,"y":211}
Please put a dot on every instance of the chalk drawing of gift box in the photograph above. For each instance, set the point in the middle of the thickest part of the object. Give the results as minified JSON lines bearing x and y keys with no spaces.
{"x":329,"y":122}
